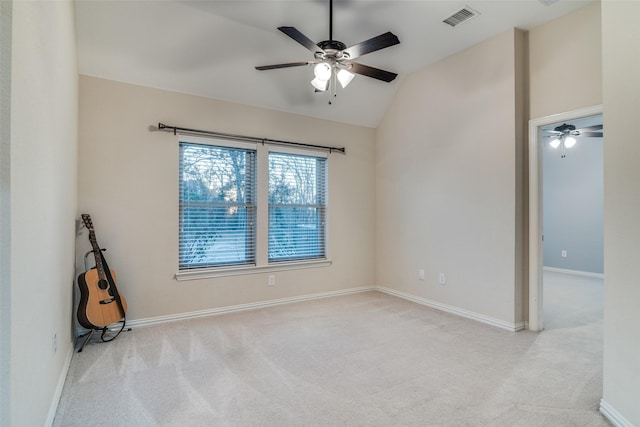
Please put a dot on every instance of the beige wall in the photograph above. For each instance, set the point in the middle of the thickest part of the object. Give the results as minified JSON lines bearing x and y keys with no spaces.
{"x":565,"y":63}
{"x":43,"y":189}
{"x":621,"y":93}
{"x":446,"y":182}
{"x":128,"y":182}
{"x":5,"y":209}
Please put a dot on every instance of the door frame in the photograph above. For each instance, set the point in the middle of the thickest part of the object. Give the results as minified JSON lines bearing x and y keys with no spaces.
{"x":536,"y":321}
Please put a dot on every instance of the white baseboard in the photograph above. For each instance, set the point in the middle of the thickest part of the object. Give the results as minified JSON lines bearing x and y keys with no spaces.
{"x":614,"y":417}
{"x":513,"y":327}
{"x":574,"y":272}
{"x":58,"y":391}
{"x":243,"y":307}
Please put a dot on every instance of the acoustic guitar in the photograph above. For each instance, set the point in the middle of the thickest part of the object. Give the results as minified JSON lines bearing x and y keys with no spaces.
{"x":100,"y":303}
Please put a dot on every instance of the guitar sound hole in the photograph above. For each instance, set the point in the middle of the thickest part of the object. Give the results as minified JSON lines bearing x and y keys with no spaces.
{"x":103,"y":284}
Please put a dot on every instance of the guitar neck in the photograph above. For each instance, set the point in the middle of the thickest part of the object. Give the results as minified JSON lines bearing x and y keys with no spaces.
{"x":96,"y":254}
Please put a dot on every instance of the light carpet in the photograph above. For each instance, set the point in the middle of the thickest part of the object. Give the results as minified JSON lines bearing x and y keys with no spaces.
{"x":367,"y":359}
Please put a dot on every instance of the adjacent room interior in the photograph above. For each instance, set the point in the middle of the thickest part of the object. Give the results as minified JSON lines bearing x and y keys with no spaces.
{"x":414,"y":286}
{"x":573,"y":222}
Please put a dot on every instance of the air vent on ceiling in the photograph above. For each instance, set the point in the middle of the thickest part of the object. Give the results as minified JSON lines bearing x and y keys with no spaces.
{"x":463,"y":15}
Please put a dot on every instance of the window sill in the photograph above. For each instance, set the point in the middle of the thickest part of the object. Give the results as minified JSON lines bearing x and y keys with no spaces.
{"x":208,"y":273}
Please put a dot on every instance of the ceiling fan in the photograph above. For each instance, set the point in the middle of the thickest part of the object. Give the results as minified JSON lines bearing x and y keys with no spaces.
{"x":333,"y":60}
{"x":565,"y":134}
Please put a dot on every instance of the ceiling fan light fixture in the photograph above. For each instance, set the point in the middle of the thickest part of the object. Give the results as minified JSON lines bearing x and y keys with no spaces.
{"x":322,"y":71}
{"x":569,"y":141}
{"x":331,"y":56}
{"x":555,"y":143}
{"x":345,"y":77}
{"x":320,"y":85}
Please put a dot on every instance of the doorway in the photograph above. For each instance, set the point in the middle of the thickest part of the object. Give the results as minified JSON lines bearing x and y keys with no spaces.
{"x":538,"y":136}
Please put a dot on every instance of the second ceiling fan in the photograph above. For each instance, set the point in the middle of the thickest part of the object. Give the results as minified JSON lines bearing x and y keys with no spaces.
{"x":564,"y":135}
{"x":333,"y":60}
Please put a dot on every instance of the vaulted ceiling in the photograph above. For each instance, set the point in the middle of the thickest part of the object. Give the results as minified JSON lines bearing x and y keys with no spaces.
{"x":210,"y":48}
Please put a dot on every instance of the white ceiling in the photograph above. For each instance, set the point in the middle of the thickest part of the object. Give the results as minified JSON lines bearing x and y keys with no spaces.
{"x":210,"y":48}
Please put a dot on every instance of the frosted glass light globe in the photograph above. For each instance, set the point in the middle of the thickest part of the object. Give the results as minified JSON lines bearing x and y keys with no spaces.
{"x":322,"y":71}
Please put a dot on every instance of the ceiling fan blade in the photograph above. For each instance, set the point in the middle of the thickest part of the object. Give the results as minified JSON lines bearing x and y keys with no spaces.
{"x":591,"y":134}
{"x":287,"y":65}
{"x":376,"y":73}
{"x":301,"y":38}
{"x":594,"y":127}
{"x":380,"y":42}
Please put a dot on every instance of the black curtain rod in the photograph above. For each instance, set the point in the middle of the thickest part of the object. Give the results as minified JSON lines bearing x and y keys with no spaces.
{"x":175,"y":129}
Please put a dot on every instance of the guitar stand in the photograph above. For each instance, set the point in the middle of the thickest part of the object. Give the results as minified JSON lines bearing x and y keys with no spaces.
{"x":87,"y":336}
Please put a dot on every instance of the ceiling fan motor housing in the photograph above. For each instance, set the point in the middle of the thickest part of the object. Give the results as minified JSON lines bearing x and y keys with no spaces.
{"x":332,"y":50}
{"x":565,"y":128}
{"x":331,"y":45}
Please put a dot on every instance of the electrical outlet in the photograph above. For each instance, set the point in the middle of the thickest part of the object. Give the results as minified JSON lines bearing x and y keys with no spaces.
{"x":54,"y":343}
{"x":441,"y":279}
{"x":564,"y":254}
{"x":421,"y":274}
{"x":272,"y":280}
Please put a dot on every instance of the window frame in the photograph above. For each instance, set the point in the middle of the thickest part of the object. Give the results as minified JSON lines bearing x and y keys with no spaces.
{"x":262,"y":263}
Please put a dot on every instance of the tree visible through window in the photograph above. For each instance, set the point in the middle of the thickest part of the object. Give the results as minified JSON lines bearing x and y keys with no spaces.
{"x":217,"y":206}
{"x":297,"y":207}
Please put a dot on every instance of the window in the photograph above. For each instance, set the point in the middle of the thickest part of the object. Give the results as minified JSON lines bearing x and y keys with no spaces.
{"x":217,"y":206}
{"x":237,"y":216}
{"x":297,"y":207}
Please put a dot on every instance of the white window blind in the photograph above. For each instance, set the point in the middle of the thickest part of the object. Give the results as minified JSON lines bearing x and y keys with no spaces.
{"x":217,"y":206}
{"x":297,"y":207}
